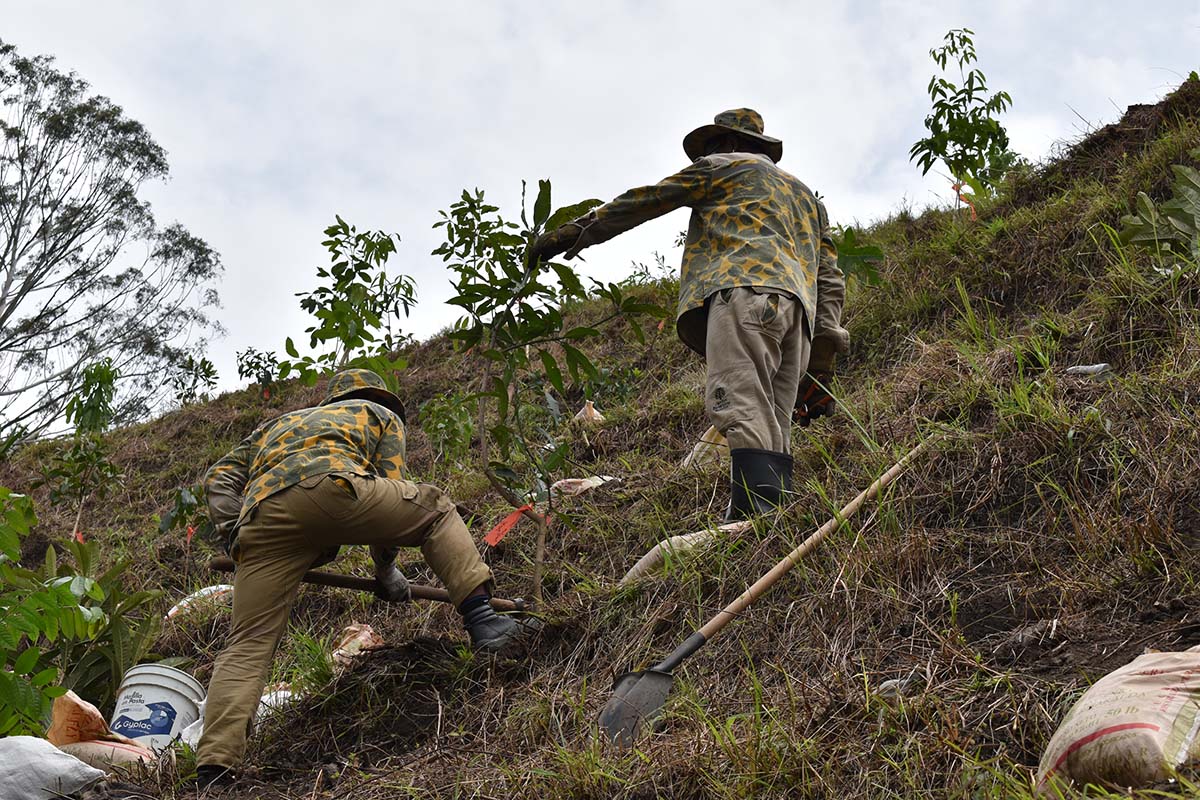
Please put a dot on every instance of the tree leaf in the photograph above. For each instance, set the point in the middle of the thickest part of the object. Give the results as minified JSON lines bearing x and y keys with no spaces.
{"x":572,"y":212}
{"x":26,"y":661}
{"x":541,"y":206}
{"x":553,"y":374}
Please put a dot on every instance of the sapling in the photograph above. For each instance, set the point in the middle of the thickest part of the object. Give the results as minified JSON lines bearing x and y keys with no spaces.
{"x":964,"y":132}
{"x":513,"y":318}
{"x":84,"y":471}
{"x":357,"y":309}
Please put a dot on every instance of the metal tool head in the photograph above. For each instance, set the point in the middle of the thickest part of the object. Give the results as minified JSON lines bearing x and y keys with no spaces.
{"x":637,"y":699}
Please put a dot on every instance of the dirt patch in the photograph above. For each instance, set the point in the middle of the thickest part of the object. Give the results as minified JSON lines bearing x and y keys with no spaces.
{"x":1101,"y":153}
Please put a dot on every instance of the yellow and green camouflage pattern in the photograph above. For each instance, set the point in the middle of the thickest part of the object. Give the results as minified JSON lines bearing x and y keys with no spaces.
{"x":753,"y":224}
{"x":356,"y":436}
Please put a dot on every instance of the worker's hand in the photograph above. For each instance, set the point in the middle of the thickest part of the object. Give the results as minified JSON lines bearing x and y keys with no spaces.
{"x":814,"y":400}
{"x":547,"y":246}
{"x":391,"y":585}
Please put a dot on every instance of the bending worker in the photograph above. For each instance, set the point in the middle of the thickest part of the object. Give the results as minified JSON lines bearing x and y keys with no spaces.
{"x":292,"y":492}
{"x":760,"y":293}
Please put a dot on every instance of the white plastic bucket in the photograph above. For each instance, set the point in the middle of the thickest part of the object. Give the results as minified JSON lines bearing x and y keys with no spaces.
{"x":155,"y":703}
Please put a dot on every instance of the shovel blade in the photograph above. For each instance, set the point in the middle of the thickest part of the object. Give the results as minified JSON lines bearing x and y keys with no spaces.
{"x":637,"y":699}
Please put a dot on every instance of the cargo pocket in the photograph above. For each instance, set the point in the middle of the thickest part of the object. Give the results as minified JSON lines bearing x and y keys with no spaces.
{"x":427,"y":496}
{"x":761,"y":313}
{"x":333,"y":493}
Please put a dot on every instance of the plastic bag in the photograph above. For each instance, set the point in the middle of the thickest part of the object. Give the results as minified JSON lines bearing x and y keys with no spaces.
{"x":711,"y":448}
{"x":355,"y":639}
{"x":34,"y":769}
{"x":589,"y":415}
{"x":208,"y":597}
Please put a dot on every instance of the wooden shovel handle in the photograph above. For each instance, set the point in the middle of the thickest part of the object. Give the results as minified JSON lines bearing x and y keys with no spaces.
{"x":417,"y":591}
{"x":760,"y":587}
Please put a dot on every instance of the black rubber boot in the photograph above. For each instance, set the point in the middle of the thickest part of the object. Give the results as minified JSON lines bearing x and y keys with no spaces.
{"x":214,"y":776}
{"x":758,"y":479}
{"x":491,"y":632}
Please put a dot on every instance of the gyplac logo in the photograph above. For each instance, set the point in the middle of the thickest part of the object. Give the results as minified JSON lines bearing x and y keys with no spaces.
{"x":159,"y":721}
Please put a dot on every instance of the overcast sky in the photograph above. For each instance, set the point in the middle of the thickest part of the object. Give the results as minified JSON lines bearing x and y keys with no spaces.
{"x":277,"y":115}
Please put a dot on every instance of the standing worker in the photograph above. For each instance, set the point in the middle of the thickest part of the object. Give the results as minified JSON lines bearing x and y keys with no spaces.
{"x":288,"y":496}
{"x":760,"y":293}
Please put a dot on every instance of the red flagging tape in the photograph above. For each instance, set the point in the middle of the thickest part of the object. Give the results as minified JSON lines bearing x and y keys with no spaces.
{"x":958,"y":190}
{"x":505,"y":525}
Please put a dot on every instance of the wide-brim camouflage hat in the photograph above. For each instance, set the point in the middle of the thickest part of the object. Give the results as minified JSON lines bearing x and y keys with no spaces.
{"x":742,"y":121}
{"x":365,"y":385}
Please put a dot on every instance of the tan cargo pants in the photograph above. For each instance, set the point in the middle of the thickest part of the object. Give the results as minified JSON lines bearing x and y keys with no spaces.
{"x":757,"y":350}
{"x":286,"y":534}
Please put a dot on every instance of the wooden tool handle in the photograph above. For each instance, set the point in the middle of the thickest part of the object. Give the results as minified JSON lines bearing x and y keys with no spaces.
{"x":417,"y":591}
{"x":760,"y":587}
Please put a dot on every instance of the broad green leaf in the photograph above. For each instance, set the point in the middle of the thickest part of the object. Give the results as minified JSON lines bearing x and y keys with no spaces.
{"x":569,"y":279}
{"x":858,"y":260}
{"x":541,"y":206}
{"x":45,"y":677}
{"x":553,"y":374}
{"x":572,"y":212}
{"x":637,"y":329}
{"x":26,"y":661}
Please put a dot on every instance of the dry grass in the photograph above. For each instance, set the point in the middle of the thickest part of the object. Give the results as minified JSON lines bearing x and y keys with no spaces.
{"x":1050,"y":539}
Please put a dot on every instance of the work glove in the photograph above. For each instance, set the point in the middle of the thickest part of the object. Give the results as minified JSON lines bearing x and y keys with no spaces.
{"x":553,"y":243}
{"x":814,"y":400}
{"x":545,"y":247}
{"x":391,"y":585}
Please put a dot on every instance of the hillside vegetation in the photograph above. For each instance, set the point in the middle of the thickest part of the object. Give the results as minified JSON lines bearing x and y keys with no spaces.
{"x":1050,"y":536}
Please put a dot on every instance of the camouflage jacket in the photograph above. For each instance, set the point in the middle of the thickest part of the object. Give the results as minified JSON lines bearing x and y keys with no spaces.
{"x":356,"y":436}
{"x":752,"y":224}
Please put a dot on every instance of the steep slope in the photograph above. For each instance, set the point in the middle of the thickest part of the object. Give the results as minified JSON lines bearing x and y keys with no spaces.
{"x":1050,"y":539}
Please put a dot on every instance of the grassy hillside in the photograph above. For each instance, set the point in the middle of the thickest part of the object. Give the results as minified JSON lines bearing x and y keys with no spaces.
{"x":1050,"y":538}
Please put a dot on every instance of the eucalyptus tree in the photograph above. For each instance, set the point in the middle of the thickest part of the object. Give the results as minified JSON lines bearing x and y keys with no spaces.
{"x":86,"y":272}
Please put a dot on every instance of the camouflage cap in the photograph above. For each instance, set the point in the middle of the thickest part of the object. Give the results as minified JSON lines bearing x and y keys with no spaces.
{"x":364,"y":384}
{"x":742,"y":121}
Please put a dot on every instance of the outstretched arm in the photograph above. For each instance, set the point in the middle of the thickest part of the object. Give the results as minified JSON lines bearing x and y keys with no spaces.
{"x":628,"y":210}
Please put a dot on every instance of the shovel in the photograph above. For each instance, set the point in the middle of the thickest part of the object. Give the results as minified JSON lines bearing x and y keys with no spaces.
{"x":416,"y":591}
{"x":639,"y":696}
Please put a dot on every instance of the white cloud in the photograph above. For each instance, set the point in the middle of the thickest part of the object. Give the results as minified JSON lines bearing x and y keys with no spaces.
{"x":277,"y":115}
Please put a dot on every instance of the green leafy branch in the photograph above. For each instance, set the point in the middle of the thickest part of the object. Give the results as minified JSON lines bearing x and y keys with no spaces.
{"x":964,"y":133}
{"x":84,"y":471}
{"x":356,"y":309}
{"x":513,"y":318}
{"x":36,"y":614}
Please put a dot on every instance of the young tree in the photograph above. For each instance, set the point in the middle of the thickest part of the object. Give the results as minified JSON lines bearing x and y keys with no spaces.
{"x":85,"y":271}
{"x":964,"y":132}
{"x":358,"y":308}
